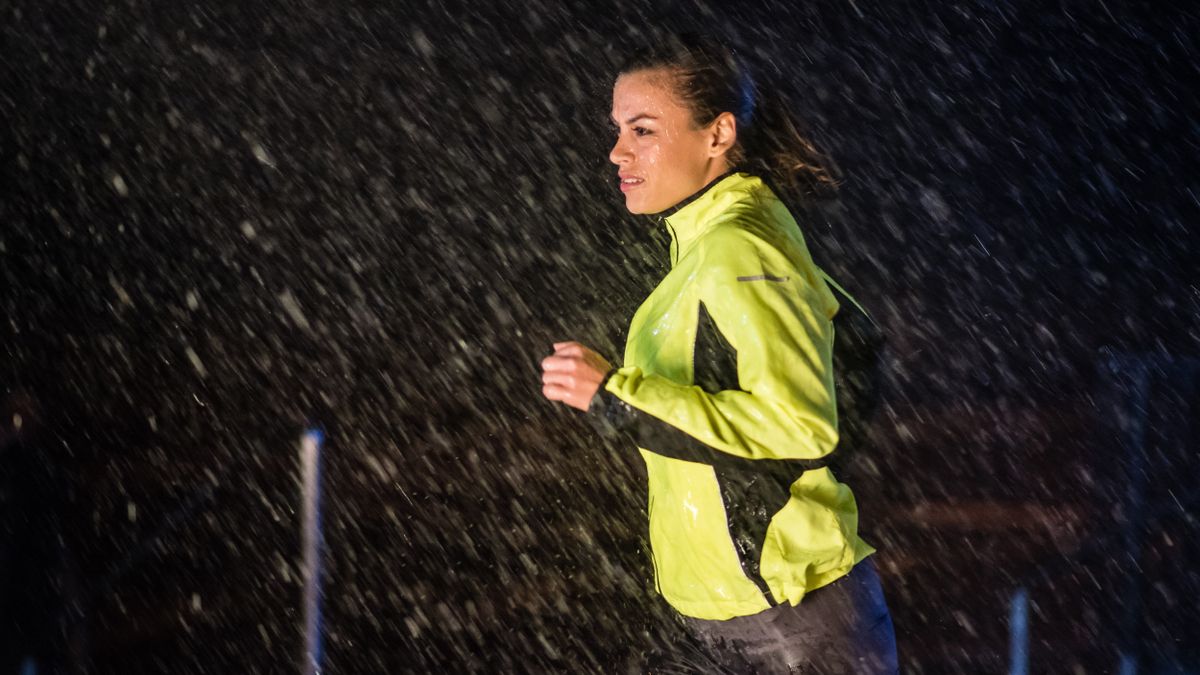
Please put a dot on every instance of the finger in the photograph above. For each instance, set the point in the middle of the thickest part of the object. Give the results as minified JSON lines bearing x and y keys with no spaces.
{"x":560,"y":345}
{"x":560,"y":364}
{"x":558,"y":379}
{"x":554,"y":393}
{"x":569,"y":349}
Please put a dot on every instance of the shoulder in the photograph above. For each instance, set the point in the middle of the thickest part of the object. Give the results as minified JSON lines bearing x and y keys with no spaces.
{"x":734,"y":252}
{"x":759,"y":243}
{"x":746,"y":238}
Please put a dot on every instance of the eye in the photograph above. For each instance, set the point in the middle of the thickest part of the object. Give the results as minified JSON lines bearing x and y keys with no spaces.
{"x":637,"y":131}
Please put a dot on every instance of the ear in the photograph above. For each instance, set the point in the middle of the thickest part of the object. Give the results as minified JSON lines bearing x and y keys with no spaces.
{"x":723,"y":134}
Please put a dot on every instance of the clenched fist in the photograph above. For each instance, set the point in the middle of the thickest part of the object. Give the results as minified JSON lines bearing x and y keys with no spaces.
{"x":573,"y":374}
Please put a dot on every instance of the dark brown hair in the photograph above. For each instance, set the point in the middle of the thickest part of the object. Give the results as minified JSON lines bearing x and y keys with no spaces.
{"x":711,"y":78}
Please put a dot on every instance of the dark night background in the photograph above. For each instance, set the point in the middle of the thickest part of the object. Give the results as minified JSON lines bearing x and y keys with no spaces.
{"x":223,"y":221}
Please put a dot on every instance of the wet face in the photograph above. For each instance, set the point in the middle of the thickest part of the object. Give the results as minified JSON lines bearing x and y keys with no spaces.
{"x":663,"y":158}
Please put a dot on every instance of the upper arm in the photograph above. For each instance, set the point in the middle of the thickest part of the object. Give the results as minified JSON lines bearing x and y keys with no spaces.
{"x":765,"y":304}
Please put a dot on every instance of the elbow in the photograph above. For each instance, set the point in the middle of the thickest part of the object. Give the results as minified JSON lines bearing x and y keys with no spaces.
{"x":825,"y":438}
{"x":814,"y":436}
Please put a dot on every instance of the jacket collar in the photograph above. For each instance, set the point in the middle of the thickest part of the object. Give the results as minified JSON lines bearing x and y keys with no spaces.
{"x":689,"y":218}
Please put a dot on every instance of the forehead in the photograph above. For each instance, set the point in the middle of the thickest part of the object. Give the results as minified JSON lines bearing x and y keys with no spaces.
{"x":645,"y":92}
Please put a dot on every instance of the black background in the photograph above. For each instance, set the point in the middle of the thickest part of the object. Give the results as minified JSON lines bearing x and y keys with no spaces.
{"x":225,"y":221}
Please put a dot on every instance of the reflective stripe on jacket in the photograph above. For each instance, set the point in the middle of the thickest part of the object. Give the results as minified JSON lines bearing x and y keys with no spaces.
{"x":727,"y":388}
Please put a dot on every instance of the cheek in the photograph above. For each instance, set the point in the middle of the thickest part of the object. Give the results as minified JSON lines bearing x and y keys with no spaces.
{"x":650,"y":153}
{"x":670,"y":164}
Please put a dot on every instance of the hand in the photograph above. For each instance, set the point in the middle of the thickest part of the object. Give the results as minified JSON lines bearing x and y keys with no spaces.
{"x":573,"y":374}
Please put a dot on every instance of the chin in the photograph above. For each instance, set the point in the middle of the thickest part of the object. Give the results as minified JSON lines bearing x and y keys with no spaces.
{"x":634,"y":206}
{"x":645,"y":207}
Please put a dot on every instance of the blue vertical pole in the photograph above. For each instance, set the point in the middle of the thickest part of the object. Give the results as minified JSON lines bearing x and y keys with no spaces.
{"x":1018,"y":632}
{"x":1136,"y":450}
{"x":310,"y":460}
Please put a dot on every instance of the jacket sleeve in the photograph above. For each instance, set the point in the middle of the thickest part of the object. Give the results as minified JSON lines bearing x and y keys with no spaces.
{"x":772,"y":314}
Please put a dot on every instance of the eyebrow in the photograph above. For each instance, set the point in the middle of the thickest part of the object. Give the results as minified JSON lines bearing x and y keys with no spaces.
{"x":635,"y":118}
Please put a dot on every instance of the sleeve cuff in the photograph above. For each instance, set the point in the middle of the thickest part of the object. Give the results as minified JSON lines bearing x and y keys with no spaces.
{"x":608,"y":414}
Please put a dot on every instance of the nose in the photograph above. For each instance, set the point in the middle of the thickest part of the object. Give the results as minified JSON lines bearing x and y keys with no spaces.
{"x":620,"y":153}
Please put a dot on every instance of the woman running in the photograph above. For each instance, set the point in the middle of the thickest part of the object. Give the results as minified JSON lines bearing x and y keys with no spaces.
{"x":728,"y":380}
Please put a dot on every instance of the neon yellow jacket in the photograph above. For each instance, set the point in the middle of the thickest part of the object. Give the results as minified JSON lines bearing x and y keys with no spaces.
{"x":727,"y":388}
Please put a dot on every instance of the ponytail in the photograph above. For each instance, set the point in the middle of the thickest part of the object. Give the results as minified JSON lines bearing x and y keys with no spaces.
{"x":775,"y":148}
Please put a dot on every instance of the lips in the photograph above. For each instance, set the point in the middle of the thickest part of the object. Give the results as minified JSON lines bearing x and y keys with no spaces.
{"x":629,"y":182}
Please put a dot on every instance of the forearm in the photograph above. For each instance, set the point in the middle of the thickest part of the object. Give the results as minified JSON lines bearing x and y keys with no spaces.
{"x":688,"y":423}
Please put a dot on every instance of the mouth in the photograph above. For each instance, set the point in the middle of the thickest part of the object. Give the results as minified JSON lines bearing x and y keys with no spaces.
{"x":630,"y":183}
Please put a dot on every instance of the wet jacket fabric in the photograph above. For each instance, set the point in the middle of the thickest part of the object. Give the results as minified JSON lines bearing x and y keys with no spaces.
{"x":727,"y":388}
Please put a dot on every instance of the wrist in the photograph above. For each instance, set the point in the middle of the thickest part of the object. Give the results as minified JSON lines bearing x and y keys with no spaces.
{"x":608,"y":413}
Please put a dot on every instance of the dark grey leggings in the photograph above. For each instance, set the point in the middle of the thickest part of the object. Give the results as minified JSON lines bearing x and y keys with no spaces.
{"x":841,"y":628}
